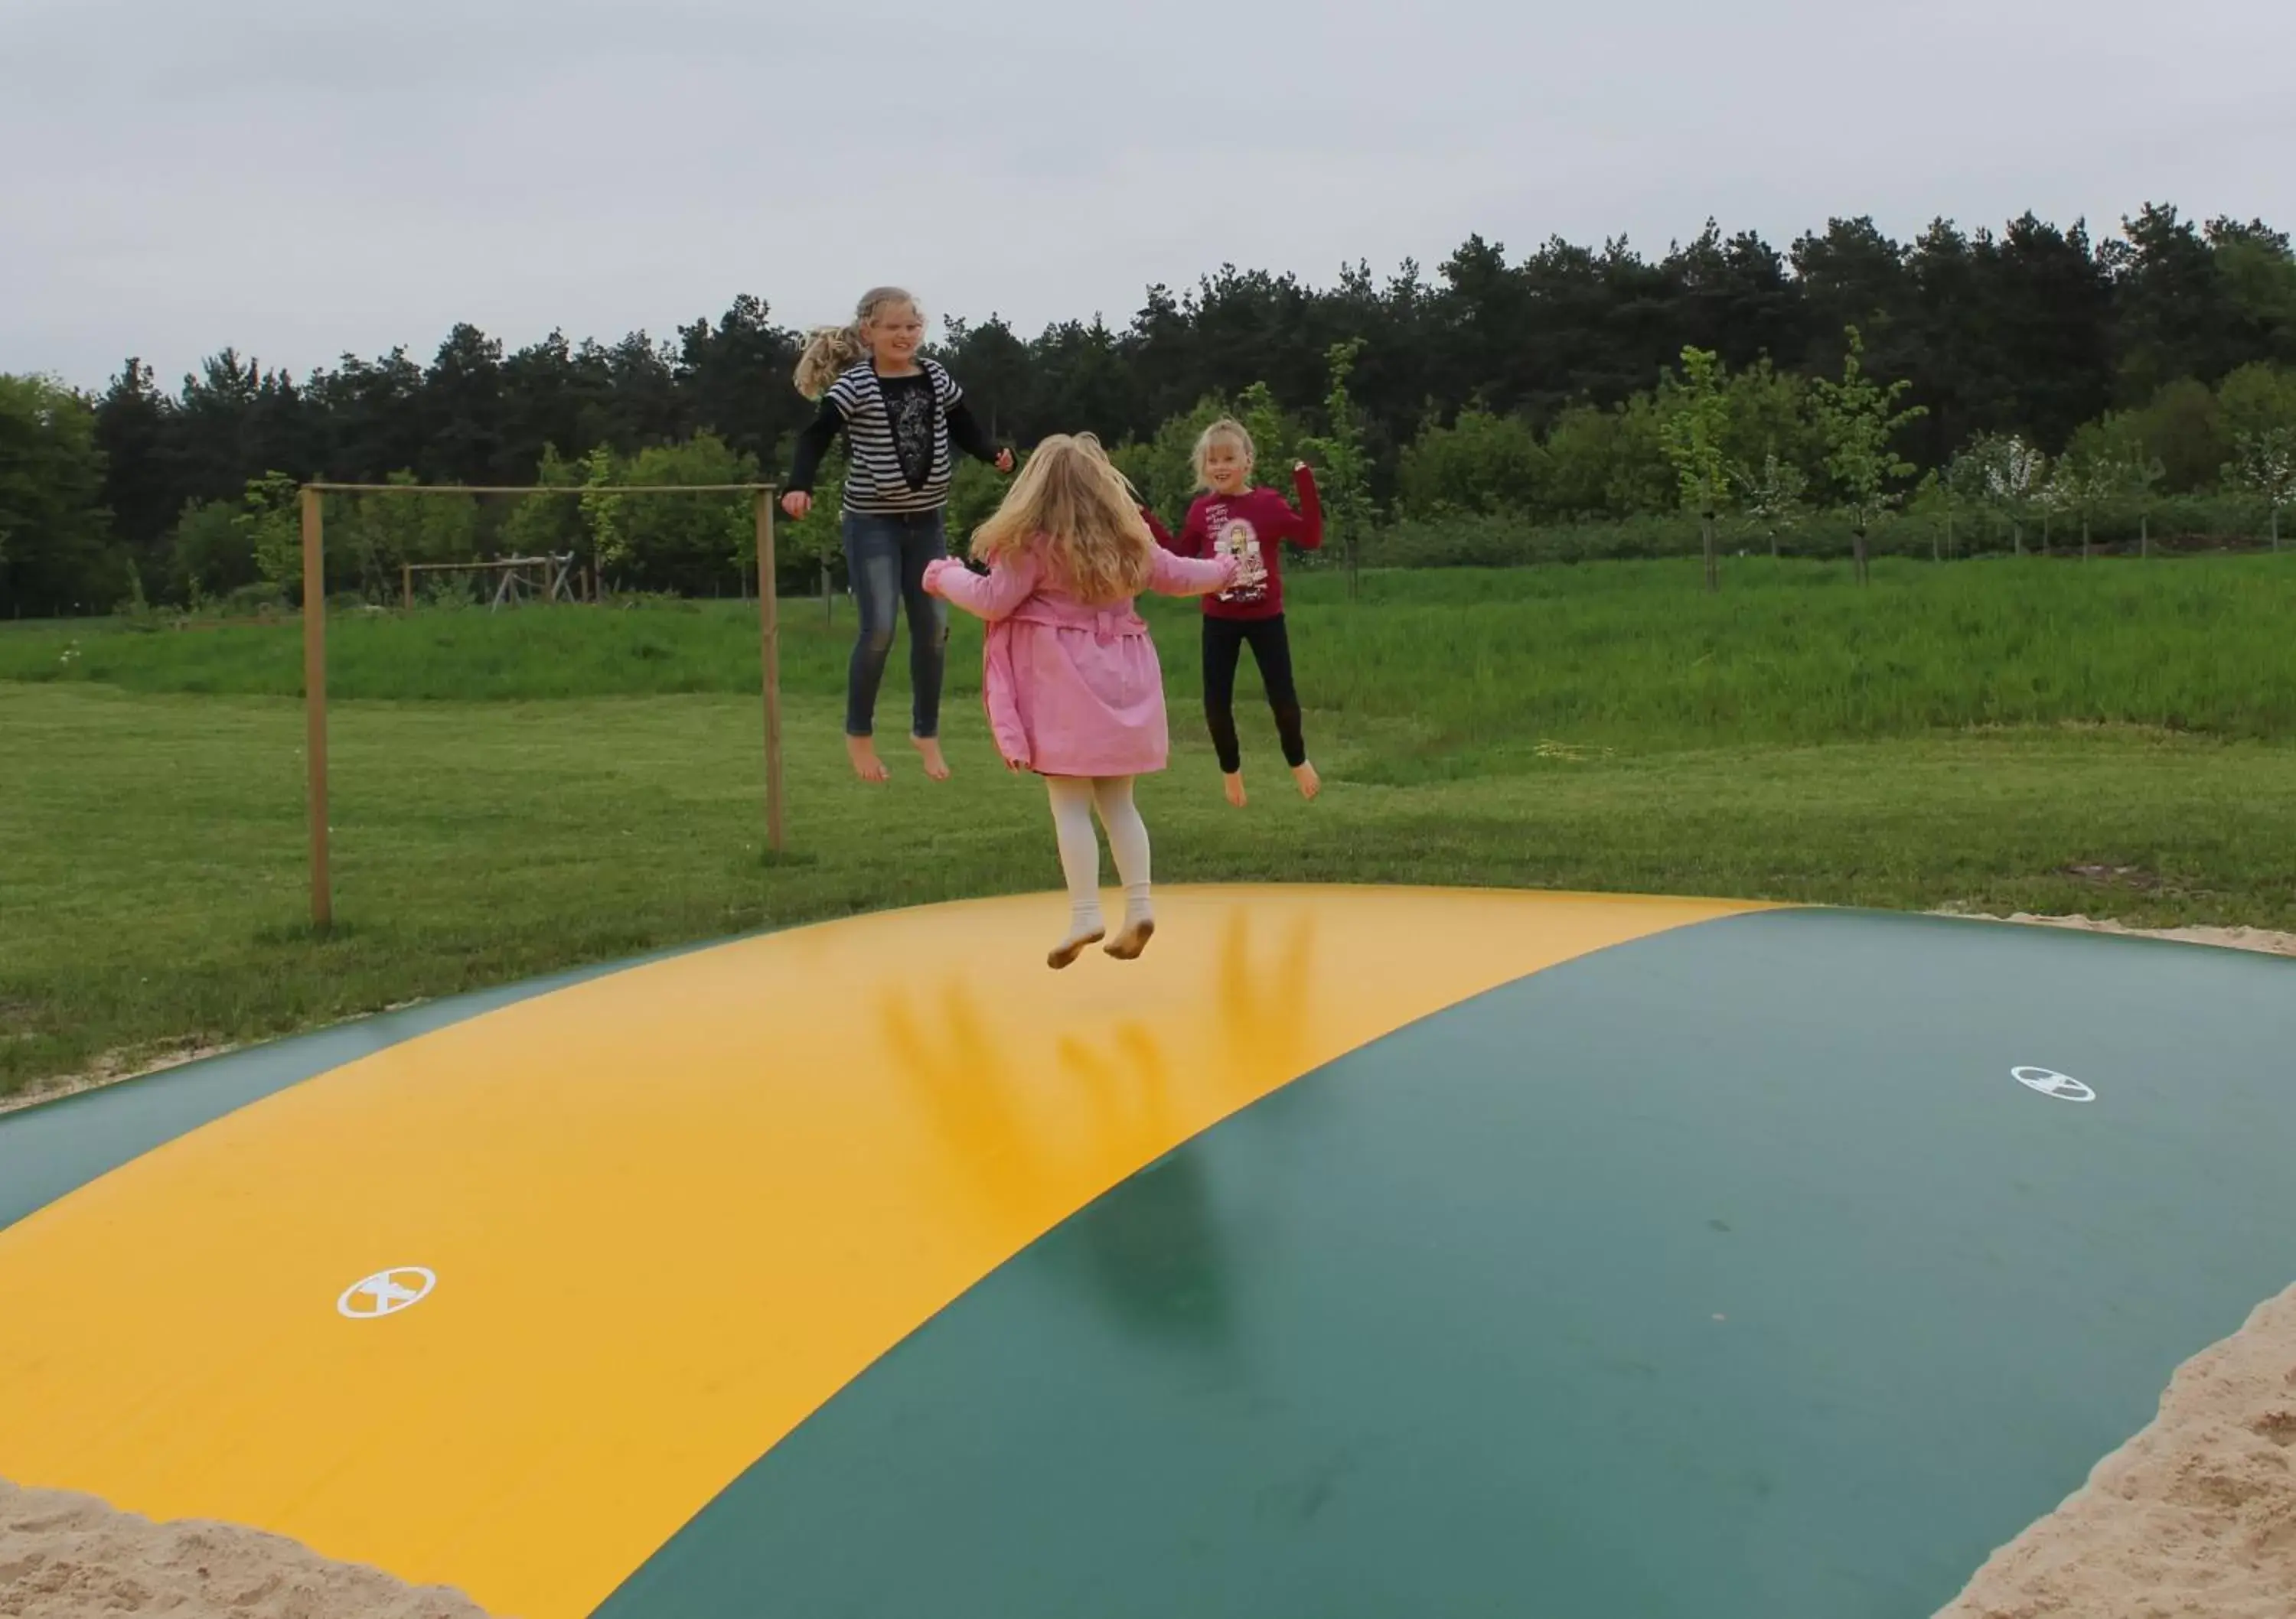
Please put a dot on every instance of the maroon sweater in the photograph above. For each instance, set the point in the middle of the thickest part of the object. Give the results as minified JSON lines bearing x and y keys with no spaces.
{"x":1252,"y":526}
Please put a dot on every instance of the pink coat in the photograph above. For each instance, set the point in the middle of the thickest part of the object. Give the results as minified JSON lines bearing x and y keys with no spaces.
{"x":1071,"y":690}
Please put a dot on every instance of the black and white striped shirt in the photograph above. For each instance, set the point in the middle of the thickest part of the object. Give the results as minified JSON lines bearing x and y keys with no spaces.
{"x":900,"y":437}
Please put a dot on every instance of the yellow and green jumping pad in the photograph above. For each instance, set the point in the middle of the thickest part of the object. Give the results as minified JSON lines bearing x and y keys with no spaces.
{"x":1357,"y":1252}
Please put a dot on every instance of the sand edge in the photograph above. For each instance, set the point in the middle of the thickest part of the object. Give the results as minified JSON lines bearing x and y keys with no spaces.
{"x":65,"y":1556}
{"x":2194,"y":1516}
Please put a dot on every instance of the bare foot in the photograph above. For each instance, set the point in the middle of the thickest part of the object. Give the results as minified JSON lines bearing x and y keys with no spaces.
{"x":1070,"y":948}
{"x":936,"y":766}
{"x":1234,"y":786}
{"x":1310,"y":783}
{"x":1132,"y":938}
{"x":863,"y":751}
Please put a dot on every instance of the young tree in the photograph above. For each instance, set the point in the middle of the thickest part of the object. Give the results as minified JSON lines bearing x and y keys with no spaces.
{"x":2011,"y":471}
{"x":1693,"y":417}
{"x":604,"y":515}
{"x":1933,"y":498}
{"x":1771,"y":496}
{"x":2135,"y":473}
{"x":2265,"y":466}
{"x":2114,"y":459}
{"x":1344,"y":469}
{"x":1858,"y":419}
{"x":2077,"y":487}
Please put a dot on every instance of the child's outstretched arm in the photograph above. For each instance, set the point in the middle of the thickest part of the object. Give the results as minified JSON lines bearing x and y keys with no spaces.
{"x":1306,"y":528}
{"x":1007,"y":585}
{"x":1161,"y":535}
{"x":812,"y":444}
{"x":1178,"y":575}
{"x":1194,"y":539}
{"x":964,"y":429}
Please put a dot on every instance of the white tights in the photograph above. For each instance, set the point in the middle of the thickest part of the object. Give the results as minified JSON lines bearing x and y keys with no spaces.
{"x":1074,"y":798}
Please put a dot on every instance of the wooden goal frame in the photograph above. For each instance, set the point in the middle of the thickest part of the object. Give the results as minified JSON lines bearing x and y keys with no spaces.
{"x":315,"y":641}
{"x":555,"y":580}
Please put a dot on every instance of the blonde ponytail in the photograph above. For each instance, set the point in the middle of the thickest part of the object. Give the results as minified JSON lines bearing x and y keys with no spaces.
{"x":831,"y":351}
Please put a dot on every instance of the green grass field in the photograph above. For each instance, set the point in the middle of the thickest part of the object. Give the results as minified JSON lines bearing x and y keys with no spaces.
{"x":533,"y":790}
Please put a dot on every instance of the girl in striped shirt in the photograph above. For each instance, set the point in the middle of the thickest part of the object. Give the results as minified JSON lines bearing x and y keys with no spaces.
{"x":900,"y":415}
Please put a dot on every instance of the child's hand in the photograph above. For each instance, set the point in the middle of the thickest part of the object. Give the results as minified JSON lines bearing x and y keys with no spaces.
{"x":796,"y":503}
{"x":1004,"y":461}
{"x":1298,"y":466}
{"x":1015,"y":766}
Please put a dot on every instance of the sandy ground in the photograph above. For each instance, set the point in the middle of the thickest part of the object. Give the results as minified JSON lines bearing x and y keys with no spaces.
{"x":110,"y":1071}
{"x":2261,"y":939}
{"x":2195,"y":1518}
{"x":68,"y":1557}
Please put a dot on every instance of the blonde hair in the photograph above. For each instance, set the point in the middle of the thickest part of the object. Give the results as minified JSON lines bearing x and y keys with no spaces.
{"x":1226,"y":430}
{"x":1088,"y":515}
{"x":830,"y":350}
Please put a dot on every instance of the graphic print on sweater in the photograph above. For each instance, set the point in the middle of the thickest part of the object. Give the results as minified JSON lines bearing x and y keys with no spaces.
{"x":911,"y":410}
{"x":1233,"y":536}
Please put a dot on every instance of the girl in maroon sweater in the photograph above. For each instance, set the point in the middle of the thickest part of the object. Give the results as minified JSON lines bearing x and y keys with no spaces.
{"x":1233,"y":518}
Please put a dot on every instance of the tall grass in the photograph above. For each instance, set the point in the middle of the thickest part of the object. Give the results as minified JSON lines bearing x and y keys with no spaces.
{"x":2169,"y":524}
{"x":1462,"y":662}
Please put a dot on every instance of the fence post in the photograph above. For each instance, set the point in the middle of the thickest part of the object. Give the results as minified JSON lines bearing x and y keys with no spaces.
{"x":769,"y":652}
{"x":314,"y":699}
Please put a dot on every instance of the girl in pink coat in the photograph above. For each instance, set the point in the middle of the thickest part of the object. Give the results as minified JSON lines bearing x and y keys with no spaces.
{"x":1069,"y":679}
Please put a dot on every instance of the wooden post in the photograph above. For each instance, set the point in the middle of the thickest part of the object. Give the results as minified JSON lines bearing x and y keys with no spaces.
{"x":407,"y":586}
{"x":314,"y":699}
{"x":769,"y":650}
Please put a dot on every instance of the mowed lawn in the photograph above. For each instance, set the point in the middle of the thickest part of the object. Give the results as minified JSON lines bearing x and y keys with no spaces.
{"x":532,"y":790}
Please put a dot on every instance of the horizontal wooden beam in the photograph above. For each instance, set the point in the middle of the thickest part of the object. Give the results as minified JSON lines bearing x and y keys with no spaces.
{"x":542,"y":488}
{"x":498,"y":562}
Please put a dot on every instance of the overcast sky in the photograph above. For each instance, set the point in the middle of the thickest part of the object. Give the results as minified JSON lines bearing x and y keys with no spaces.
{"x":302,"y":177}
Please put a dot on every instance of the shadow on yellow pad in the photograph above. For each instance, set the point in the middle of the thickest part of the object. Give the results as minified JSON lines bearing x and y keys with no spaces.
{"x":632,"y":1232}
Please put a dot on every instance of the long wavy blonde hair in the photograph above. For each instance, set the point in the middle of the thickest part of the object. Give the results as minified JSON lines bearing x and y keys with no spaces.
{"x":831,"y":351}
{"x":1087,"y":512}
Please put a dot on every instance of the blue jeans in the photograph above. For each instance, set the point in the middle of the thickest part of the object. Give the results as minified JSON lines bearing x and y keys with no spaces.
{"x":885,"y":558}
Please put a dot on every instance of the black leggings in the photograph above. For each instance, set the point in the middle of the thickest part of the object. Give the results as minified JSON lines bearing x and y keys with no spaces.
{"x":1271,"y":649}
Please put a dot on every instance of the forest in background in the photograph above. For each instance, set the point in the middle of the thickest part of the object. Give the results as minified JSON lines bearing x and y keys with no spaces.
{"x":1572,"y":402}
